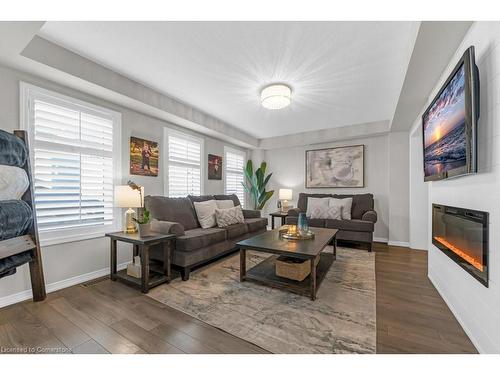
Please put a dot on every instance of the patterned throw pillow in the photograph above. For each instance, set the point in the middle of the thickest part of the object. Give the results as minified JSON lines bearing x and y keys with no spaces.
{"x":326,"y":212}
{"x":224,"y":203}
{"x":345,"y":204}
{"x":316,"y":205}
{"x":229,"y":216}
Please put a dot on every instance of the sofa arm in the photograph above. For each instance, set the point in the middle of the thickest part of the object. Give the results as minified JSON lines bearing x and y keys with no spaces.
{"x":251,"y":214}
{"x":370,"y":216}
{"x":293,"y":212}
{"x":169,"y":227}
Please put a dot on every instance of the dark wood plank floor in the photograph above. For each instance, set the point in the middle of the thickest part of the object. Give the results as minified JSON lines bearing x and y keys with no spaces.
{"x":109,"y":317}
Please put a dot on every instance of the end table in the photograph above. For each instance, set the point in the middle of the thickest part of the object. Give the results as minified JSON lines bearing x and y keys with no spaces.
{"x":283,"y":216}
{"x":150,"y":276}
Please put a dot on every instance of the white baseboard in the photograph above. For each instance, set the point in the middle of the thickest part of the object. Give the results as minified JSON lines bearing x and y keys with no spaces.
{"x":453,"y":309}
{"x":52,"y":287}
{"x":398,"y":243}
{"x":380,"y":239}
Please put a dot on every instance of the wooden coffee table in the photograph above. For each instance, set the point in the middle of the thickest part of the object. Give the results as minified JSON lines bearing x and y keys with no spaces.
{"x":270,"y":242}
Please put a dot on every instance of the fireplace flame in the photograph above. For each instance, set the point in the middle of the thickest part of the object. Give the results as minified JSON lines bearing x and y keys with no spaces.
{"x":477,"y":264}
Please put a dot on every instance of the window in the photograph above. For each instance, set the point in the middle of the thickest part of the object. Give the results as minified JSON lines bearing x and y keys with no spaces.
{"x":235,"y":162}
{"x":183,"y":163}
{"x":75,"y":158}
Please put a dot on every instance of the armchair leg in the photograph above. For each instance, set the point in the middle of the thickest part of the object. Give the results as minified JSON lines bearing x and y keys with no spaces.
{"x":185,"y":273}
{"x":370,"y":245}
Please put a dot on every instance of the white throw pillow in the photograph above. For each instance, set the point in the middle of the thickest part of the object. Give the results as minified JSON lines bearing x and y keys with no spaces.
{"x":316,"y":204}
{"x":326,"y":212}
{"x":13,"y":182}
{"x":345,"y":204}
{"x":224,"y":203}
{"x":205,"y":211}
{"x":229,"y":216}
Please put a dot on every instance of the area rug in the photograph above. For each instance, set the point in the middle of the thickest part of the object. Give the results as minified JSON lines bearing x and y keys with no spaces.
{"x":341,"y":320}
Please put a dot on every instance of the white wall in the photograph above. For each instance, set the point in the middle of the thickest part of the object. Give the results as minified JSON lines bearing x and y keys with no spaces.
{"x":288,"y":168}
{"x":475,"y":306}
{"x":91,"y":257}
{"x":419,"y":192}
{"x":398,"y":189}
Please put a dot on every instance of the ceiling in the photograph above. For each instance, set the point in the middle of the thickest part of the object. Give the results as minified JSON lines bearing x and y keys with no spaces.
{"x":341,"y":73}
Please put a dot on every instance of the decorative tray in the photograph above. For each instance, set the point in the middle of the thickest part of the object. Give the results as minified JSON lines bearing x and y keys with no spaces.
{"x":297,"y":236}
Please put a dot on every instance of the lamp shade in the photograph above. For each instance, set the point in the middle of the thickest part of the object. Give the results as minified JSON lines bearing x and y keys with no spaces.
{"x":127,"y":197}
{"x":285,"y":194}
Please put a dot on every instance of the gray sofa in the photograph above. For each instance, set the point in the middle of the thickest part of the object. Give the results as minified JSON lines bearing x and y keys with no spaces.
{"x":194,"y":245}
{"x":359,"y":229}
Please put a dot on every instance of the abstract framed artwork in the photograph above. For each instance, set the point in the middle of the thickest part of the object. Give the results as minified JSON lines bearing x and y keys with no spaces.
{"x":338,"y":167}
{"x":214,"y":167}
{"x":143,"y":157}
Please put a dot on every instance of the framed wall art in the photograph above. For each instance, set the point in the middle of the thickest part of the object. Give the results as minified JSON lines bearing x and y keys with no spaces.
{"x":337,"y":167}
{"x":143,"y":157}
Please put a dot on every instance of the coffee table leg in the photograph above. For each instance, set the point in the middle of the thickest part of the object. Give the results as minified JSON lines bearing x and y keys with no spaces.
{"x":272,"y":222}
{"x":243,"y":264}
{"x":335,"y":248}
{"x":144,"y":250}
{"x":167,"y":247}
{"x":313,"y":279}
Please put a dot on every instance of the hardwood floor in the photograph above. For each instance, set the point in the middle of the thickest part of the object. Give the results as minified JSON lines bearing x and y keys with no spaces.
{"x":108,"y":317}
{"x":411,"y":315}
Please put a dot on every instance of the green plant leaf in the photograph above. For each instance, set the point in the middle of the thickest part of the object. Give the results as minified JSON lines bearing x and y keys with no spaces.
{"x":266,"y":197}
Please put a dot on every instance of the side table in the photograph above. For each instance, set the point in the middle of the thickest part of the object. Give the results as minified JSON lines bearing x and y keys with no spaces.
{"x":151,"y":276}
{"x":283,"y":216}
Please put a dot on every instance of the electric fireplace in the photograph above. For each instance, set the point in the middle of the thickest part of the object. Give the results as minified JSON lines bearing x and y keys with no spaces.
{"x":462,"y":234}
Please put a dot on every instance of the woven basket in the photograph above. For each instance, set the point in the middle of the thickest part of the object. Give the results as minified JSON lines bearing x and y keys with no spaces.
{"x":293,"y":268}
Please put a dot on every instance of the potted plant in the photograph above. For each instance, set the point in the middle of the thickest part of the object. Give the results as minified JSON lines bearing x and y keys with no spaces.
{"x":144,"y":222}
{"x":256,"y":184}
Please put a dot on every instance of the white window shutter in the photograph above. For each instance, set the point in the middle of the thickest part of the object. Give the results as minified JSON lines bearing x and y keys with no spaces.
{"x":235,"y":162}
{"x":184,"y":166}
{"x":73,"y":165}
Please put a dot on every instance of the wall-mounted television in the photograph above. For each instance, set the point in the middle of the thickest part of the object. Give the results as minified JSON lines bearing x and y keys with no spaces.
{"x":450,"y":124}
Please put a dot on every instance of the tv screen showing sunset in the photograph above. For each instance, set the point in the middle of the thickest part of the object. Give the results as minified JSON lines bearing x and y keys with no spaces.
{"x":444,"y":128}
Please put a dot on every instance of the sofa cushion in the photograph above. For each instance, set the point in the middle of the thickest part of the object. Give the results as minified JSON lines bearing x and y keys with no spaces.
{"x":302,"y":202}
{"x":197,"y":238}
{"x":236,"y":230}
{"x":224,"y":197}
{"x":318,"y":223}
{"x":351,"y":225}
{"x":256,"y":224}
{"x":178,"y":210}
{"x":360,"y":203}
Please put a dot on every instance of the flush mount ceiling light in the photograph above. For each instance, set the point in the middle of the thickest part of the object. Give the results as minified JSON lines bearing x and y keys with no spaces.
{"x":276,"y":96}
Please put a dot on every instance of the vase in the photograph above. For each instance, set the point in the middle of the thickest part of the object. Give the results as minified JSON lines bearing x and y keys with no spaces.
{"x":302,"y":225}
{"x":144,"y":230}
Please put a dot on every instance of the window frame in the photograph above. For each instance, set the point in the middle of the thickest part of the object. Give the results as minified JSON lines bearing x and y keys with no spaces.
{"x":228,"y":149}
{"x":28,"y":93}
{"x":166,"y":162}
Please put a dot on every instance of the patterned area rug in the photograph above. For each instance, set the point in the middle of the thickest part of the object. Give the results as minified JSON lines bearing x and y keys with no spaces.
{"x":341,"y":320}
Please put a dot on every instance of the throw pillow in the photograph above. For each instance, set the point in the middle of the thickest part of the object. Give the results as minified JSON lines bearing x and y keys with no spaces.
{"x":224,"y":203}
{"x":316,"y":204}
{"x":205,"y":211}
{"x":345,"y":204}
{"x":13,"y":182}
{"x":326,"y":212}
{"x":229,"y":216}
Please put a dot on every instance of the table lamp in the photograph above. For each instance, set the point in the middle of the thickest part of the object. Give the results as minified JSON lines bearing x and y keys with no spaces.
{"x":284,"y":196}
{"x":126,"y":197}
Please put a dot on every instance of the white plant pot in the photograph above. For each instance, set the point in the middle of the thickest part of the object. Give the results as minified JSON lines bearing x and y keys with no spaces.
{"x":144,"y":229}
